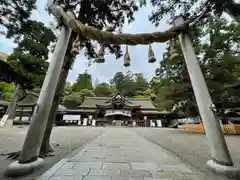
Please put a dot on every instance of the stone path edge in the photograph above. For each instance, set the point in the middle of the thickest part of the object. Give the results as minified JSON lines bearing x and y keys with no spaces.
{"x":167,"y":151}
{"x":52,"y":170}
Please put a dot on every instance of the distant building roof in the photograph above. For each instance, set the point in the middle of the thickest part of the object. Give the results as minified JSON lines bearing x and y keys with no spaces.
{"x":27,"y":102}
{"x":92,"y":102}
{"x":9,"y":75}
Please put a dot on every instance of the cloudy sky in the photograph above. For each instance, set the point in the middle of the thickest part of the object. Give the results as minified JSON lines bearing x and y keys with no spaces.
{"x":104,"y":72}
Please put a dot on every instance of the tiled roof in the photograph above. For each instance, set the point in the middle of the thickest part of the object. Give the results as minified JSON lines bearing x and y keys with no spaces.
{"x":29,"y":100}
{"x":91,"y":102}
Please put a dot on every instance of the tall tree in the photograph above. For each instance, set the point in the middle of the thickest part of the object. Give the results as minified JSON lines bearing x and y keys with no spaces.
{"x":67,"y":89}
{"x":118,"y":80}
{"x":102,"y":89}
{"x":216,"y":44}
{"x":14,"y":14}
{"x":32,"y":51}
{"x":172,"y":8}
{"x":221,"y":61}
{"x":130,"y":84}
{"x":29,"y":57}
{"x":84,"y":81}
{"x":6,"y":91}
{"x":76,"y":98}
{"x":141,"y":83}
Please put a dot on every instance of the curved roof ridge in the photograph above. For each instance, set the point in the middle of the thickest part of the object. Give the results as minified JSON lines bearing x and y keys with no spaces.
{"x":95,"y":97}
{"x":139,"y":99}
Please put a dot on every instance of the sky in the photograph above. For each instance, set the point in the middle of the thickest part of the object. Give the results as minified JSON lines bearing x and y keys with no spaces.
{"x":104,"y":72}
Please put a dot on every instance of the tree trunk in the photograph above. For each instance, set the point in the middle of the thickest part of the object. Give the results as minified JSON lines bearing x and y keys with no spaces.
{"x":8,"y":117}
{"x":68,"y":61}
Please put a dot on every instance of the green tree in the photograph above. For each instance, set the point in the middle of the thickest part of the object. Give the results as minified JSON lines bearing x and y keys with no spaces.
{"x":128,"y":86}
{"x":76,"y":98}
{"x":102,"y":89}
{"x":67,"y":89}
{"x":141,"y":84}
{"x":171,"y":8}
{"x":221,"y":61}
{"x":117,"y":80}
{"x":32,"y":51}
{"x":174,"y":83}
{"x":113,"y":90}
{"x":84,"y":81}
{"x":73,"y":100}
{"x":6,"y":91}
{"x":14,"y":15}
{"x":219,"y":58}
{"x":29,"y":57}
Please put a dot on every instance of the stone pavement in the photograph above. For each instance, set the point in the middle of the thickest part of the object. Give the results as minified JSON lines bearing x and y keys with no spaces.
{"x":121,"y":154}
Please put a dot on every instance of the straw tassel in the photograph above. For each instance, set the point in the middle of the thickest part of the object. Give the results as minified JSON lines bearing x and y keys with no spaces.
{"x":75,"y":46}
{"x":151,"y":57}
{"x":126,"y":58}
{"x":173,"y":52}
{"x":100,"y":56}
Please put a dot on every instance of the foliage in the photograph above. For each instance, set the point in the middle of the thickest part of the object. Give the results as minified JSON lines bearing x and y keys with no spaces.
{"x":84,"y":81}
{"x":67,"y":89}
{"x":221,"y":61}
{"x":76,"y":98}
{"x":118,"y":80}
{"x":14,"y":15}
{"x":29,"y":57}
{"x":141,"y":83}
{"x":73,"y":100}
{"x":172,"y":8}
{"x":217,"y":48}
{"x":130,"y":84}
{"x":6,"y":91}
{"x":102,"y":89}
{"x":108,"y":15}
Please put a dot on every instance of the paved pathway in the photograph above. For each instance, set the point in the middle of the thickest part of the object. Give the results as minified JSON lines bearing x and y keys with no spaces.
{"x":120,"y":154}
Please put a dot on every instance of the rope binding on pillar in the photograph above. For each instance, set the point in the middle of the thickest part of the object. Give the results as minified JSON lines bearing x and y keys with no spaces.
{"x":75,"y":46}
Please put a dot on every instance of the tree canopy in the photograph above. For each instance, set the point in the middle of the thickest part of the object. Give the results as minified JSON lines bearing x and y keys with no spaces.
{"x":171,"y":8}
{"x":14,"y":15}
{"x":104,"y":15}
{"x":216,"y":43}
{"x":31,"y":54}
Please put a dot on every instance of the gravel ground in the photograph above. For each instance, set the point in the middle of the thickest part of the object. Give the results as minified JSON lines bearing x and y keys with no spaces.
{"x":64,"y":140}
{"x":190,"y":147}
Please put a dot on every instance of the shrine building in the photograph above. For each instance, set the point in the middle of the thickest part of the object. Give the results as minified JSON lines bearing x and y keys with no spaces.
{"x":119,"y":111}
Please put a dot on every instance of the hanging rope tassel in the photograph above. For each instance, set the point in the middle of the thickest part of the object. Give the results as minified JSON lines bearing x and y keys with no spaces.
{"x":151,"y":57}
{"x":173,"y":52}
{"x":126,"y":58}
{"x":75,"y":46}
{"x":100,"y":55}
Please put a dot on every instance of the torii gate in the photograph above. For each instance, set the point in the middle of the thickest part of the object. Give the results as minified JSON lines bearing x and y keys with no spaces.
{"x":221,"y":161}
